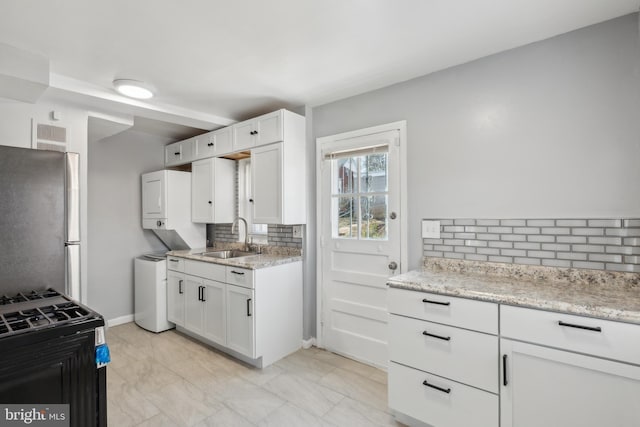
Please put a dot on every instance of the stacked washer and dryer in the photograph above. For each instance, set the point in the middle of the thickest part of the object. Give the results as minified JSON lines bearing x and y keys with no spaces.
{"x":166,"y":209}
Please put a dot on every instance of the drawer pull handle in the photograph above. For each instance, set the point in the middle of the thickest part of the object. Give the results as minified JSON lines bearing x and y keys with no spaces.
{"x":442,"y":389}
{"x":440,"y":337}
{"x":173,"y":260}
{"x":504,"y":370}
{"x":588,"y":328}
{"x":237,"y":272}
{"x":428,"y":301}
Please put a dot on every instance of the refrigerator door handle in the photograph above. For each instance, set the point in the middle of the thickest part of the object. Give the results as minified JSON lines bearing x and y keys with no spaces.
{"x":72,"y":253}
{"x":72,"y":196}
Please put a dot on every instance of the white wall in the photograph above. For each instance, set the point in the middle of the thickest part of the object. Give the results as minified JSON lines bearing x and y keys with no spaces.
{"x":15,"y":130}
{"x":551,"y":129}
{"x":115,"y":227}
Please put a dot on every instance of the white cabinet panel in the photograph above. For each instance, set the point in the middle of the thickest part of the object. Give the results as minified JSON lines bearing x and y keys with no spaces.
{"x":214,"y":308}
{"x":268,"y":128}
{"x":211,"y":144}
{"x":179,"y":153}
{"x":175,"y":297}
{"x":240,"y":320}
{"x":438,"y":401}
{"x":243,"y":135}
{"x":266,"y":184}
{"x":555,"y":388}
{"x":193,"y":304}
{"x":603,"y":338}
{"x":212,"y":190}
{"x":465,"y":356}
{"x":461,"y":312}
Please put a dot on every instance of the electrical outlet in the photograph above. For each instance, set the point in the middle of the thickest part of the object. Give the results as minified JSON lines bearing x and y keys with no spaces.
{"x":430,"y":229}
{"x":297,"y":232}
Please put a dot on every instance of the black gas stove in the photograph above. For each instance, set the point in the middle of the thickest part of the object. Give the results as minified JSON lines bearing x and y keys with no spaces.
{"x":37,"y":310}
{"x":50,"y":355}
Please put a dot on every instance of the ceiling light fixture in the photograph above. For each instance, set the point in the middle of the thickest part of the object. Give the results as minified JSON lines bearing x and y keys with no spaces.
{"x":133,"y":88}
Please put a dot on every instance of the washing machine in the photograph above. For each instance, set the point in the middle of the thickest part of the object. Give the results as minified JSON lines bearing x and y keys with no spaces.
{"x":150,"y":296}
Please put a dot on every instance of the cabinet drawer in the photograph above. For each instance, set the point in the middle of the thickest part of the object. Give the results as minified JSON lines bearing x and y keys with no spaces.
{"x":175,"y":263}
{"x":240,"y":277}
{"x":612,"y":340}
{"x":462,"y":406}
{"x":462,"y":355}
{"x":206,"y":270}
{"x":464,"y":313}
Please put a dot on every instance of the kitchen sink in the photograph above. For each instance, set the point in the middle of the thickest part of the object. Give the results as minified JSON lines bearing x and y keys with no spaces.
{"x":227,"y":254}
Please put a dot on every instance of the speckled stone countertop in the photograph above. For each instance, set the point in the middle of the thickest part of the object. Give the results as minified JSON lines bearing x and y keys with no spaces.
{"x":271,"y":256}
{"x":594,"y":293}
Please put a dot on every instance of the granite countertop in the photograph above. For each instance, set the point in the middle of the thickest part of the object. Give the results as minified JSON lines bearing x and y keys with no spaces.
{"x":252,"y":262}
{"x":593,"y":293}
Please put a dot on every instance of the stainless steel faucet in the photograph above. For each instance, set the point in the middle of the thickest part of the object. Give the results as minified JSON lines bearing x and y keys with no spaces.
{"x":246,"y":231}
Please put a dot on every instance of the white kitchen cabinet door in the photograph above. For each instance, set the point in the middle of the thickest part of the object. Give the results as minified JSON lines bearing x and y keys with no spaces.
{"x":193,"y":305}
{"x":266,"y":184}
{"x":211,"y":144}
{"x":214,"y":322}
{"x":240,"y":320}
{"x":243,"y":135}
{"x":179,"y":153}
{"x":542,"y":386}
{"x":175,"y":297}
{"x":202,"y":191}
{"x":212,"y":191}
{"x":268,"y":128}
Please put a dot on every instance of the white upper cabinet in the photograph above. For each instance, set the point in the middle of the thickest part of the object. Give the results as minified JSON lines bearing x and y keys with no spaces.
{"x":278,"y":173}
{"x":260,"y":130}
{"x":212,"y":190}
{"x":215,"y":143}
{"x":179,"y":153}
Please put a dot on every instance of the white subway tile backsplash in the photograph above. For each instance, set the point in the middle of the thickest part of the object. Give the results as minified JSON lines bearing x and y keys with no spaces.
{"x":601,"y":243}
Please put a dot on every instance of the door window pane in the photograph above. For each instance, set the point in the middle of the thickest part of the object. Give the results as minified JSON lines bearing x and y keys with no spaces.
{"x":374,"y":217}
{"x":347,"y":221}
{"x":360,"y":196}
{"x":374,"y":173}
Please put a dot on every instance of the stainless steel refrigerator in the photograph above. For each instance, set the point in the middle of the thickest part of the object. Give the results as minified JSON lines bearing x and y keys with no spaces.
{"x":39,"y":221}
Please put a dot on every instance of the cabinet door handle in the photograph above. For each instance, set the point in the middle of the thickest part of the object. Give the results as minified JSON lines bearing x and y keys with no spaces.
{"x":210,"y":202}
{"x":173,"y":260}
{"x":250,"y":200}
{"x":440,"y":337}
{"x":177,"y":154}
{"x":203,"y":295}
{"x":237,"y":272}
{"x":210,"y":144}
{"x":442,"y":389}
{"x":504,"y":370}
{"x":180,"y":287}
{"x":249,"y":307}
{"x":429,"y":301}
{"x":588,"y":328}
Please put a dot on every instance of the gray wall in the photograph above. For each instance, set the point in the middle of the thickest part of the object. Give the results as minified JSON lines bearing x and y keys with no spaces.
{"x":548,"y":130}
{"x":115,"y":225}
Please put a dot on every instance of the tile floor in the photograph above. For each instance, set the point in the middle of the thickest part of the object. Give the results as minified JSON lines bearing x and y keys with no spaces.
{"x":168,"y":379}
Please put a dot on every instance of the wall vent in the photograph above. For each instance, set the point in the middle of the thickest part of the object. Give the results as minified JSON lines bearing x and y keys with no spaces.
{"x":52,"y":133}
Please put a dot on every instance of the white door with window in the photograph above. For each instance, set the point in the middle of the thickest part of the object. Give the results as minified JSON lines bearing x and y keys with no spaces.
{"x":360,"y":239}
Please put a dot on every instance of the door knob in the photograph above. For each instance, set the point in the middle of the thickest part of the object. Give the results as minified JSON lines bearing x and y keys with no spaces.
{"x":393,"y":265}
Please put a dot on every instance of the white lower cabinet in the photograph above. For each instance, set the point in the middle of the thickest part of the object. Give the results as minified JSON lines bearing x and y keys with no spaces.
{"x":240,"y":328}
{"x":556,"y":388}
{"x":175,"y":297}
{"x":252,"y":314}
{"x":205,"y":308}
{"x":560,"y":370}
{"x":439,"y":401}
{"x":552,"y":369}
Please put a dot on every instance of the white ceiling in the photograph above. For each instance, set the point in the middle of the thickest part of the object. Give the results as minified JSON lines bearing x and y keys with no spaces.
{"x":231,"y":59}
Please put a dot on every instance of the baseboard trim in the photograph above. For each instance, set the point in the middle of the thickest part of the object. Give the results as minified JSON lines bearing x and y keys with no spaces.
{"x":120,"y":320}
{"x":307,"y":344}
